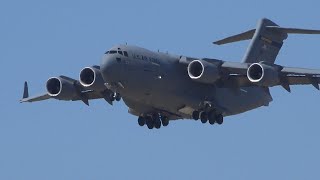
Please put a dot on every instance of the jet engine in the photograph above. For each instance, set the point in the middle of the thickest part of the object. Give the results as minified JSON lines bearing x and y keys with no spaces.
{"x":203,"y":71}
{"x":91,"y":77}
{"x":263,"y":75}
{"x":61,"y":88}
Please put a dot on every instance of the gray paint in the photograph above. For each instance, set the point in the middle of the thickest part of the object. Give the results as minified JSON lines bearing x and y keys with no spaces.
{"x":154,"y":82}
{"x":144,"y":91}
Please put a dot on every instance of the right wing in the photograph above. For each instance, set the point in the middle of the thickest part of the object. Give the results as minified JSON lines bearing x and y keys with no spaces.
{"x":26,"y":97}
{"x":80,"y":94}
{"x":35,"y":98}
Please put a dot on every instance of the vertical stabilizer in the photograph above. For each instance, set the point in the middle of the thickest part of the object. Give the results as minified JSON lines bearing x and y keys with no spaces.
{"x":265,"y":44}
{"x":266,"y":40}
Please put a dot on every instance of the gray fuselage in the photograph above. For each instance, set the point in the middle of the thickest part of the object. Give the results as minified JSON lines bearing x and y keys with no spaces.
{"x":157,"y":82}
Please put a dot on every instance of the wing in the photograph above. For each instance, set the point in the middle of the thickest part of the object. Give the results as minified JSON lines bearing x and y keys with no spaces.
{"x":234,"y":74}
{"x":35,"y":98}
{"x":26,"y":97}
{"x":237,"y":76}
{"x":81,"y":94}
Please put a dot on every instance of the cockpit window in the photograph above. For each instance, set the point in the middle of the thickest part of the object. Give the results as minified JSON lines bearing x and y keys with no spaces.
{"x":125,"y":53}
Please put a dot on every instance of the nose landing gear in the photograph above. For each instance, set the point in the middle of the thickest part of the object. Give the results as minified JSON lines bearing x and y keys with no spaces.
{"x":117,"y":96}
{"x":110,"y":96}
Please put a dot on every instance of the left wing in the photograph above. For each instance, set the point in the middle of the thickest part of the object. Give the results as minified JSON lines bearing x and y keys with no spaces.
{"x":269,"y":75}
{"x":236,"y":74}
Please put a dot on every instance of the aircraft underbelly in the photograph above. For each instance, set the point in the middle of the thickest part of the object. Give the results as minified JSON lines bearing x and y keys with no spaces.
{"x":242,"y":100}
{"x":158,"y":94}
{"x":183,"y":101}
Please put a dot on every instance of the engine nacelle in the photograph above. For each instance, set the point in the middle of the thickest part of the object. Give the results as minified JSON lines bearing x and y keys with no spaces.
{"x":61,"y":88}
{"x":203,"y":71}
{"x":263,"y":75}
{"x":91,"y":77}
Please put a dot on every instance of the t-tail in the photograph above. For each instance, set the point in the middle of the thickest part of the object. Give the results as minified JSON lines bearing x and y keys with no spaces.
{"x":267,"y":40}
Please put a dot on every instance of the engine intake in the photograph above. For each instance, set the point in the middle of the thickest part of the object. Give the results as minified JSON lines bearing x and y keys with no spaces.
{"x":203,"y":71}
{"x":54,"y":86}
{"x":263,"y":75}
{"x":61,"y":88}
{"x":91,"y":77}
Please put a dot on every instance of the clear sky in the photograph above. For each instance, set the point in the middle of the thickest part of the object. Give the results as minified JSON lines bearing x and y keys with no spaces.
{"x":67,"y":140}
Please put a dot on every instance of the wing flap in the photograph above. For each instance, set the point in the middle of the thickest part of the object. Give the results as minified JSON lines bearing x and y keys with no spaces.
{"x":302,"y":80}
{"x":300,"y":71}
{"x":237,"y":81}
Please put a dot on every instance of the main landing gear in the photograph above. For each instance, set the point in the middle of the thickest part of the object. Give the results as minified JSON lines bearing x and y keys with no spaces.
{"x":154,"y":121}
{"x":205,"y":116}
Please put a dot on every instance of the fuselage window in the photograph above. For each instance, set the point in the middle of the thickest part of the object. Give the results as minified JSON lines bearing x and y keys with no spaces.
{"x":125,"y":53}
{"x":120,"y":52}
{"x":112,"y":52}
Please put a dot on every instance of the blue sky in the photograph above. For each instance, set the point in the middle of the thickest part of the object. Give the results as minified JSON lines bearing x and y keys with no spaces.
{"x":67,"y":140}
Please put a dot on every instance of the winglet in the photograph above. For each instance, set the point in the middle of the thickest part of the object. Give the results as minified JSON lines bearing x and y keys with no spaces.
{"x":25,"y":90}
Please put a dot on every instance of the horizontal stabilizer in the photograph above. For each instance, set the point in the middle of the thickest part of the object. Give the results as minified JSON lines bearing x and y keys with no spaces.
{"x":239,"y":37}
{"x":249,"y":34}
{"x":293,"y":30}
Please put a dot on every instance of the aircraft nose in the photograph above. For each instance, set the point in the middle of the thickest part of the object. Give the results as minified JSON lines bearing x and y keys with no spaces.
{"x":108,"y":68}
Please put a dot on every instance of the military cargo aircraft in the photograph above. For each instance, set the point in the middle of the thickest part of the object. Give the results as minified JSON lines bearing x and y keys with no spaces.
{"x":159,"y":87}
